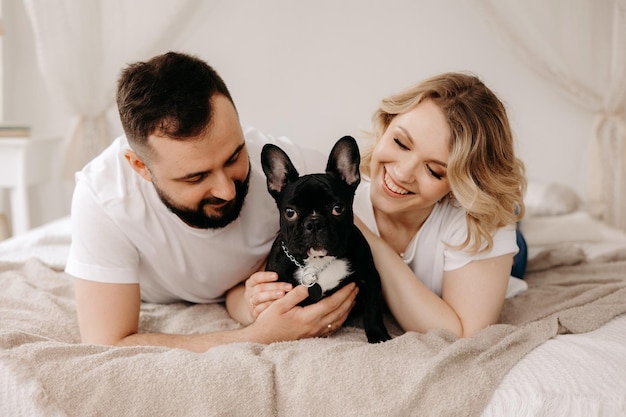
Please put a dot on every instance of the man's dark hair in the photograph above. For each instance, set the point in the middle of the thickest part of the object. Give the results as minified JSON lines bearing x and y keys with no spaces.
{"x":169,"y":95}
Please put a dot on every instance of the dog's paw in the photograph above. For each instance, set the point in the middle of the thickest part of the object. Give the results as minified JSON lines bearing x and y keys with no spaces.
{"x":377,"y":335}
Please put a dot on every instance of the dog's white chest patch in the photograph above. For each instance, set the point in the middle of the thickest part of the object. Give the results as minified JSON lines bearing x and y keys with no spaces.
{"x":326,"y":271}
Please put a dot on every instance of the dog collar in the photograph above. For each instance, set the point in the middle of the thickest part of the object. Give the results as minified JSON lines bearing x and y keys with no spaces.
{"x":310,"y":274}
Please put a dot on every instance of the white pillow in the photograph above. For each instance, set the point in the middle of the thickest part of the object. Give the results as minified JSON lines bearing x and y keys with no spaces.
{"x":570,"y":239}
{"x":578,"y":226}
{"x":543,"y":199}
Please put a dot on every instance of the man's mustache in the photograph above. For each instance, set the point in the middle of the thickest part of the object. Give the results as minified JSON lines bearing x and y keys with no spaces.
{"x":212,"y":201}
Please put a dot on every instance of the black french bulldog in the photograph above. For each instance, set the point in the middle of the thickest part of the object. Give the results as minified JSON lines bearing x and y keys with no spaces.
{"x":318,"y":244}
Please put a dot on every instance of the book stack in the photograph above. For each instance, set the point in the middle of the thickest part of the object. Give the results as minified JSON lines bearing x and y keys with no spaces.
{"x":14,"y":130}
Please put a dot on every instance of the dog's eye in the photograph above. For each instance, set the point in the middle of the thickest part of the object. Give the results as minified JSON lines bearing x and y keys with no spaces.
{"x":290,"y":214}
{"x":338,"y":209}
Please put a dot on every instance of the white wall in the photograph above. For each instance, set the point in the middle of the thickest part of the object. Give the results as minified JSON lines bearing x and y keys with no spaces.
{"x":26,"y":100}
{"x":315,"y":71}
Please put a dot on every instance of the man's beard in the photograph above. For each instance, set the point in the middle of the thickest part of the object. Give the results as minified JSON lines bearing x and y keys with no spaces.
{"x":199,"y":219}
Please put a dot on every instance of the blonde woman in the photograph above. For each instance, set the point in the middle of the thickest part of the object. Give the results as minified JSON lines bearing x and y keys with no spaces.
{"x":441,"y":193}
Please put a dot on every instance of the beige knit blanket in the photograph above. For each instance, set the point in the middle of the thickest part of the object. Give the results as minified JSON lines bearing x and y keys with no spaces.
{"x":432,"y":374}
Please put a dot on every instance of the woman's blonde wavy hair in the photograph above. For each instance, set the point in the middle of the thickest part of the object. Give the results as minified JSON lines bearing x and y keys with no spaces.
{"x":485,"y":176}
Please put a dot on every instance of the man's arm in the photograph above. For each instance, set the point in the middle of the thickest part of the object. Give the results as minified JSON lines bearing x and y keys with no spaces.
{"x":109,"y":314}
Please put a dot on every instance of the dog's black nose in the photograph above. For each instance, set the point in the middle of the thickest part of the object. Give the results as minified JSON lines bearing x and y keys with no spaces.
{"x":312,"y":224}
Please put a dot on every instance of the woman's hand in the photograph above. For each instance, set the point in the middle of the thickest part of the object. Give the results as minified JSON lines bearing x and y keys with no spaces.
{"x":261,"y":289}
{"x":247,"y":300}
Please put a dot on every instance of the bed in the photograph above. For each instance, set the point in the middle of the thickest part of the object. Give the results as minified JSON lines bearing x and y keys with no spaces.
{"x":558,"y":350}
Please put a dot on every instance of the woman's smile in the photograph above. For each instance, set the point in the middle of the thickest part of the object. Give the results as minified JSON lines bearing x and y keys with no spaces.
{"x":391,"y":187}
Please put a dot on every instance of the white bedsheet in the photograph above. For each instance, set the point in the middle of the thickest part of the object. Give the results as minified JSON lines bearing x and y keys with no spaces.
{"x":582,"y":375}
{"x":50,"y":243}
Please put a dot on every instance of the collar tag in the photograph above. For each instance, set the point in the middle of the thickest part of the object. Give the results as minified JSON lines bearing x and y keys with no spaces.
{"x":309,"y":276}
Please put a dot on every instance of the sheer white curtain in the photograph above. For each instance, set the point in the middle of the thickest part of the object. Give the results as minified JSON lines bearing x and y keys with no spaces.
{"x":580,"y":47}
{"x":81,"y":47}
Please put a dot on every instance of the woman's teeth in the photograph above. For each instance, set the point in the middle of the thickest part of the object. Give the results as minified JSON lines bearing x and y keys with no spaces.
{"x":393,"y":187}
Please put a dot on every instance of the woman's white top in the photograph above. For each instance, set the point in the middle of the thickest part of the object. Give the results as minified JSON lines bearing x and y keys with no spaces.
{"x":427,"y":254}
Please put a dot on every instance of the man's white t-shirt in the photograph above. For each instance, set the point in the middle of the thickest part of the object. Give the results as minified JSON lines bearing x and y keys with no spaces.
{"x":123,"y":233}
{"x":427,"y":254}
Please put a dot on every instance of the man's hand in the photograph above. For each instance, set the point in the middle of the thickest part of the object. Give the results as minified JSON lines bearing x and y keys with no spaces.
{"x":284,"y":320}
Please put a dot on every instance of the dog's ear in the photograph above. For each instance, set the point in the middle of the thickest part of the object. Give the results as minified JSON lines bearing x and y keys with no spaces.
{"x":278,"y":169}
{"x":344,"y":161}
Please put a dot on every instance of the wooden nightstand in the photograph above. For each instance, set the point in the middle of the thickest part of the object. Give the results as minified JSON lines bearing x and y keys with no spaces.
{"x":25,"y":162}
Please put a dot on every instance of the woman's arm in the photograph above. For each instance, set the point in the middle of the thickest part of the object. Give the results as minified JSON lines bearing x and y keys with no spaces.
{"x":472,"y":296}
{"x":477,"y":291}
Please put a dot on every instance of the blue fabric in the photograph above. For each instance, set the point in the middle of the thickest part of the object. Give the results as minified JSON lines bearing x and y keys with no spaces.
{"x":521,"y":258}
